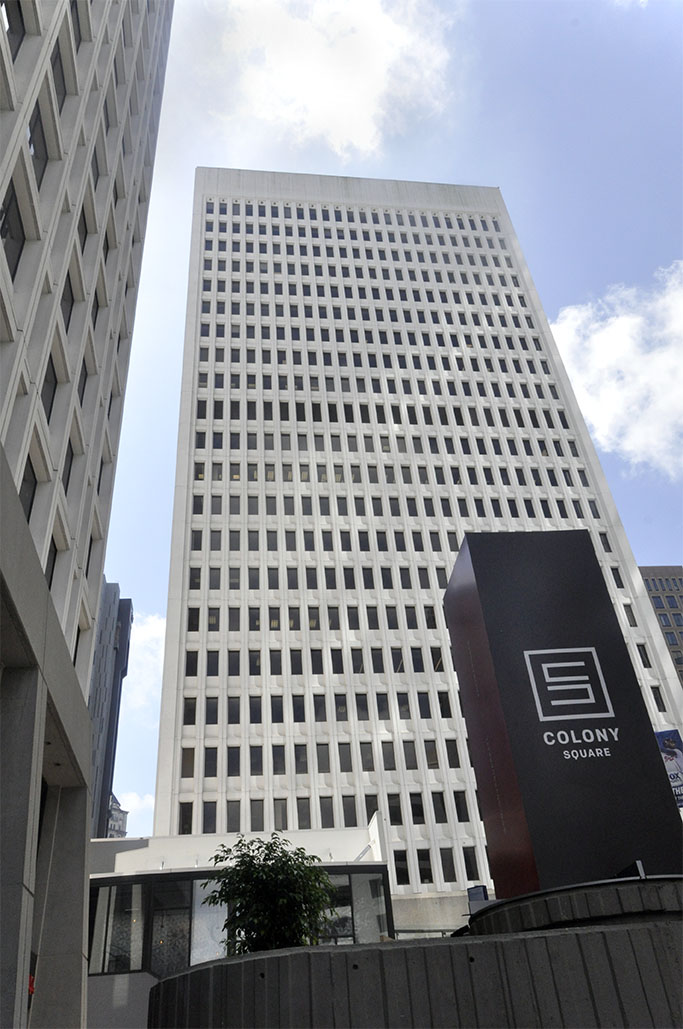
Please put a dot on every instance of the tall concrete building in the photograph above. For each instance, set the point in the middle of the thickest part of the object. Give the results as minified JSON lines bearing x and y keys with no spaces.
{"x":80,"y":94}
{"x":664,"y":584}
{"x":109,"y":669}
{"x":368,"y":374}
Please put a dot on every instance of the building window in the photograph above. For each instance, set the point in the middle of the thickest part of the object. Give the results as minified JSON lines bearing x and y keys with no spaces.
{"x":185,"y":818}
{"x":644,"y":656}
{"x":58,"y":75}
{"x":12,"y":21}
{"x":366,"y":757}
{"x":76,"y":24}
{"x":439,"y":806}
{"x":303,"y":812}
{"x":95,"y":167}
{"x":68,"y":465}
{"x":233,"y":761}
{"x":409,"y":754}
{"x":50,"y":562}
{"x":280,"y":814}
{"x":37,"y":145}
{"x":276,"y":662}
{"x":210,"y":762}
{"x":658,"y":698}
{"x":211,"y":711}
{"x":394,"y":804}
{"x":461,"y":808}
{"x":417,"y":809}
{"x":447,"y":864}
{"x":401,"y":867}
{"x":278,"y":759}
{"x":254,"y":710}
{"x":300,"y":758}
{"x":233,"y":816}
{"x":27,"y":490}
{"x":326,"y":813}
{"x":256,"y":813}
{"x":471,"y":869}
{"x":424,"y":705}
{"x":319,"y":707}
{"x":431,"y":754}
{"x":323,"y":757}
{"x":424,"y":865}
{"x":630,"y":616}
{"x":67,"y":301}
{"x":189,"y":711}
{"x":49,"y":388}
{"x":349,"y":811}
{"x":345,"y":757}
{"x":298,"y":708}
{"x":11,"y":229}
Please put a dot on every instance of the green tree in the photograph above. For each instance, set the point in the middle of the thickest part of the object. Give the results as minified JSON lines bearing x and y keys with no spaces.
{"x":275,"y":896}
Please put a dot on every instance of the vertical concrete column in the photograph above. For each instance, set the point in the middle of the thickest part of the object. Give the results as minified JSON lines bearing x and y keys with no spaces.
{"x":60,"y":927}
{"x":22,"y":732}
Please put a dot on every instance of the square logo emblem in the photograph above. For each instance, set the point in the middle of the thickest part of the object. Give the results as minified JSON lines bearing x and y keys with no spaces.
{"x":568,"y":684}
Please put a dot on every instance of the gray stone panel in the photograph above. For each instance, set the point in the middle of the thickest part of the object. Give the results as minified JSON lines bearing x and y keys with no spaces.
{"x":617,"y":975}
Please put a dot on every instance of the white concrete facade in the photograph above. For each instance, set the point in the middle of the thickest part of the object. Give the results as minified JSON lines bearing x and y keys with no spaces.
{"x":80,"y":96}
{"x":66,"y":310}
{"x":368,"y":374}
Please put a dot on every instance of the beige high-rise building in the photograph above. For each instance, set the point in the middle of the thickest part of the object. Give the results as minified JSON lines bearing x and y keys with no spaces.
{"x":368,"y":374}
{"x":80,"y":95}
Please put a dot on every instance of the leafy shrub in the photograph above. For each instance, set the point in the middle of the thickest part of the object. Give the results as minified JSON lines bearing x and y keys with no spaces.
{"x":276,"y":896}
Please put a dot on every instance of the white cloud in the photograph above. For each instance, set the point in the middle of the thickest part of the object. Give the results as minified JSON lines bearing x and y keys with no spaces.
{"x":140,"y":808}
{"x":142,"y":685}
{"x":340,"y":72}
{"x":624,"y":355}
{"x":135,"y":802}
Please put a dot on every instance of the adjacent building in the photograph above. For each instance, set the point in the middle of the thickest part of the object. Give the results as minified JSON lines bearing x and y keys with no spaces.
{"x":117,"y":821}
{"x":368,"y":374}
{"x":664,"y":585}
{"x":80,"y":94}
{"x":110,"y":666}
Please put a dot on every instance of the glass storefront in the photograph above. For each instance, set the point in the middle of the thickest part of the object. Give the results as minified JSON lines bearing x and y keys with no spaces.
{"x":157,"y":923}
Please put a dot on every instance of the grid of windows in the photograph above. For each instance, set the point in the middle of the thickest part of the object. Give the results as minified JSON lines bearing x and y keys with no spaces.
{"x":49,"y":345}
{"x":61,"y":385}
{"x":664,"y":585}
{"x":366,"y":382}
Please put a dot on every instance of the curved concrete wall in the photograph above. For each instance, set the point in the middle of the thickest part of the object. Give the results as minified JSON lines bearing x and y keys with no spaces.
{"x":625,"y":975}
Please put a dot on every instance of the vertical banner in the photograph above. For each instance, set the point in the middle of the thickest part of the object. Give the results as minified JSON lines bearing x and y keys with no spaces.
{"x":671,"y":749}
{"x":570,"y":779}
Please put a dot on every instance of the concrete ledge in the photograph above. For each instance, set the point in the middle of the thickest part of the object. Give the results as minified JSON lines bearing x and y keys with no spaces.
{"x":608,"y":976}
{"x":602,"y":902}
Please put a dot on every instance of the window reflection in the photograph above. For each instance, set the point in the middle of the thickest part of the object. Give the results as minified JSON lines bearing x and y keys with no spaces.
{"x":159,"y":925}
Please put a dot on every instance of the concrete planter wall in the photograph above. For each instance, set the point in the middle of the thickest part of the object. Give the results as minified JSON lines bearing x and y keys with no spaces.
{"x":621,"y":969}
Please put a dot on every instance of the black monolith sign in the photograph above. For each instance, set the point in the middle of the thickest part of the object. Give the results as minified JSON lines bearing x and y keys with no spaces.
{"x":570,"y":778}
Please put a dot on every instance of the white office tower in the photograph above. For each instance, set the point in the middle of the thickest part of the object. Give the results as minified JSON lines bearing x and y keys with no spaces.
{"x":368,"y":374}
{"x":80,"y":94}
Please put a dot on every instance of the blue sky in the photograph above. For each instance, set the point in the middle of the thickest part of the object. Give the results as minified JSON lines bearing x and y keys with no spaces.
{"x":573,"y":108}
